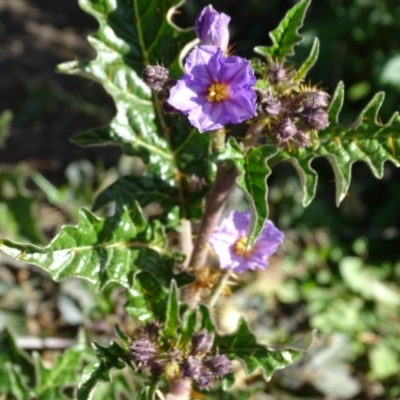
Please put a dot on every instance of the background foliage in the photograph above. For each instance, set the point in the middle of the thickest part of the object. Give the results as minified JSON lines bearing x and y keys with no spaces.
{"x":337,"y":271}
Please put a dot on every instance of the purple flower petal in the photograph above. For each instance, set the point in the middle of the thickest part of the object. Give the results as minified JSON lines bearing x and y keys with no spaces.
{"x":212,"y":27}
{"x":235,"y":70}
{"x":214,"y":90}
{"x":229,"y":239}
{"x":184,"y":97}
{"x":199,"y":56}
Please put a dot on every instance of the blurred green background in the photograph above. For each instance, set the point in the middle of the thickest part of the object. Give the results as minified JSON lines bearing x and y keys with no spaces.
{"x":339,"y":269}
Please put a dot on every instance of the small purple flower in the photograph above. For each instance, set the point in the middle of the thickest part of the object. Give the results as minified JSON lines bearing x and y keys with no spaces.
{"x":212,"y":27}
{"x":229,"y":243}
{"x":214,"y":90}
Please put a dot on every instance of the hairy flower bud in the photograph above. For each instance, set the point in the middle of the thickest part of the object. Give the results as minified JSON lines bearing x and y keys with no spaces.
{"x":152,"y":328}
{"x":219,"y":364}
{"x":205,"y":379}
{"x":156,"y":77}
{"x":191,"y":367}
{"x":317,"y":99}
{"x":212,"y":28}
{"x":142,"y":350}
{"x":277,"y":73}
{"x":271,"y":106}
{"x":315,"y":118}
{"x":286,"y":129}
{"x":157,"y":367}
{"x":302,"y":139}
{"x":202,"y":342}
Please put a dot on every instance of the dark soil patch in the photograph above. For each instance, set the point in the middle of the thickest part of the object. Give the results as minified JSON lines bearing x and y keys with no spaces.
{"x":48,"y":107}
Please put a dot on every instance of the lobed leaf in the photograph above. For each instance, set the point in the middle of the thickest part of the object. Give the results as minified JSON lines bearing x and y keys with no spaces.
{"x":16,"y":369}
{"x":23,"y":378}
{"x":132,"y":35}
{"x":109,"y":358}
{"x":243,"y":345}
{"x":102,"y":250}
{"x":147,"y":392}
{"x":366,"y":139}
{"x":172,"y":318}
{"x":144,"y":189}
{"x":151,"y":190}
{"x":13,"y":383}
{"x":308,"y":62}
{"x":51,"y":381}
{"x":147,"y":299}
{"x":17,"y":207}
{"x":253,"y":180}
{"x":286,"y":36}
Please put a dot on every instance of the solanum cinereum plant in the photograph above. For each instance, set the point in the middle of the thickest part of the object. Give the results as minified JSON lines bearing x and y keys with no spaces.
{"x":177,"y":117}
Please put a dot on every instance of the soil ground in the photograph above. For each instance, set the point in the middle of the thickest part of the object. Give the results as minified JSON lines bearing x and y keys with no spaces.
{"x":35,"y":36}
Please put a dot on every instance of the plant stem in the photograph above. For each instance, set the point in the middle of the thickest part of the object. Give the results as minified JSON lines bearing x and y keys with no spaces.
{"x":218,"y":289}
{"x":224,"y":182}
{"x":254,"y":132}
{"x":218,"y":140}
{"x":185,"y":240}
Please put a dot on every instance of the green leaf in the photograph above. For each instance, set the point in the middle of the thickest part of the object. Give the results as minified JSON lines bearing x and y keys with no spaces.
{"x":253,"y":180}
{"x":16,"y":369}
{"x":366,"y":139}
{"x":147,"y":392}
{"x":109,"y":358}
{"x":146,"y":190}
{"x":195,"y":321}
{"x":143,"y":189}
{"x":13,"y":382}
{"x":206,"y":319}
{"x":308,"y":63}
{"x":102,"y":250}
{"x":147,"y":299}
{"x":189,"y":324}
{"x":25,"y":379}
{"x":361,"y":279}
{"x":121,"y":387}
{"x":5,"y":121}
{"x":384,"y":361}
{"x":243,"y":345}
{"x":286,"y":36}
{"x":17,"y":207}
{"x":63,"y":372}
{"x":133,"y":35}
{"x":172,"y":319}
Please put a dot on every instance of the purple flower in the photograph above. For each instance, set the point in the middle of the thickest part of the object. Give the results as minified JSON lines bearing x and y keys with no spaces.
{"x":229,"y":243}
{"x":214,"y":90}
{"x":212,"y":27}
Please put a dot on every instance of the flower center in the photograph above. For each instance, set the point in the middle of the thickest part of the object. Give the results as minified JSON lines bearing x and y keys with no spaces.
{"x":239,"y":247}
{"x":217,"y":91}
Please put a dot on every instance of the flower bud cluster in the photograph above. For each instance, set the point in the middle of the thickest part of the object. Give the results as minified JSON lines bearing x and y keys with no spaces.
{"x":194,"y":361}
{"x":293,"y":111}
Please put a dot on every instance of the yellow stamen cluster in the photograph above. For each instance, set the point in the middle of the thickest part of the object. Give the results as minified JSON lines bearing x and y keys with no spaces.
{"x":217,"y":91}
{"x":240,"y":247}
